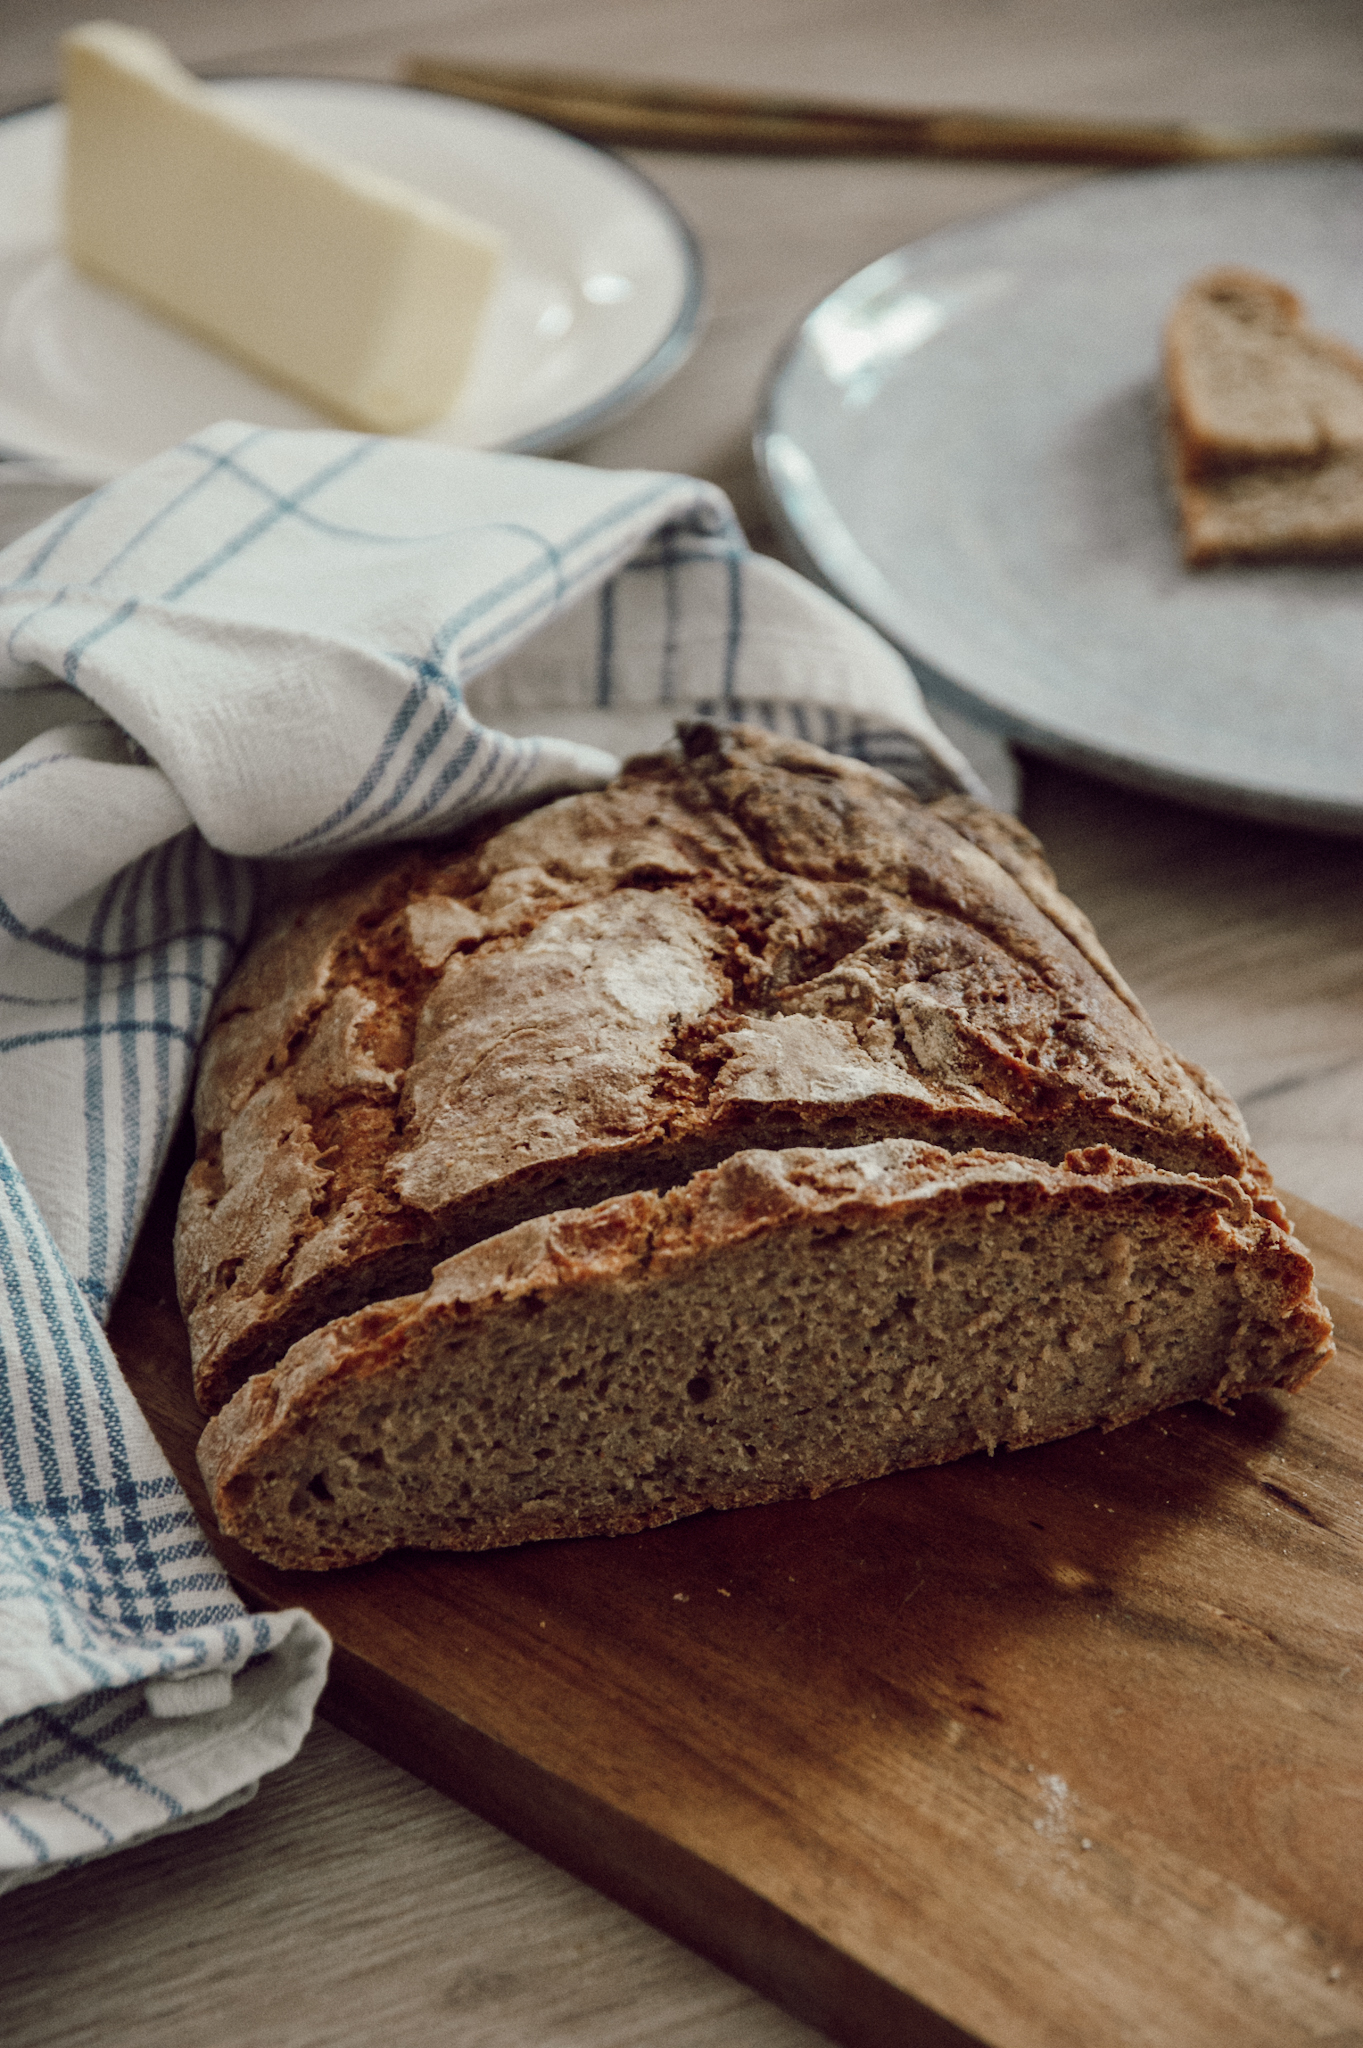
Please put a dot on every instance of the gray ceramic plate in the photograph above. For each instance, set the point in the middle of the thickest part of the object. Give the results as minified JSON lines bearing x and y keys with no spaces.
{"x":963,"y":442}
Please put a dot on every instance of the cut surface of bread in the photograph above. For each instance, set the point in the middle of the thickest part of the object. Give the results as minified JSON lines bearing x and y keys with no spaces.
{"x":787,"y":1323}
{"x":1266,"y":425}
{"x":747,"y":943}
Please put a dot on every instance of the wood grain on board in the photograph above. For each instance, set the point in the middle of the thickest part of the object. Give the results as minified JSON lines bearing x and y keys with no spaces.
{"x":1054,"y":1748}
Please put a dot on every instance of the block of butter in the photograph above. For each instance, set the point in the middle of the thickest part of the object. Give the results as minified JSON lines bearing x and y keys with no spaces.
{"x":347,"y":287}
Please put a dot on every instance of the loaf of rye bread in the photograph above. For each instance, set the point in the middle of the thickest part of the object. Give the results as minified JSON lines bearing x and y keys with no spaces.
{"x":692,"y":1077}
{"x":746,"y":943}
{"x":785,"y":1323}
{"x":1266,"y":425}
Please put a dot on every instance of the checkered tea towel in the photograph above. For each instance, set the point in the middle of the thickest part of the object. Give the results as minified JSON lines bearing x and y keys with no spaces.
{"x":268,"y":647}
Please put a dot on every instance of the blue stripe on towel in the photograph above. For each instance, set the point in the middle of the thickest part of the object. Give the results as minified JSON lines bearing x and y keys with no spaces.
{"x":255,"y":528}
{"x":605,"y":643}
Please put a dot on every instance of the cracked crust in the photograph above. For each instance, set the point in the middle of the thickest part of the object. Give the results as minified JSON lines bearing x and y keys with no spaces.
{"x":746,"y":943}
{"x":784,"y":1324}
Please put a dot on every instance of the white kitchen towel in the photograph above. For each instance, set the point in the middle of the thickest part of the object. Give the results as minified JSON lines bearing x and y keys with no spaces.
{"x":268,"y":646}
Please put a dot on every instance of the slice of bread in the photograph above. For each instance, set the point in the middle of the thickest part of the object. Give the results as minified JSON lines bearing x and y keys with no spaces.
{"x":1266,"y":425}
{"x":784,"y":1324}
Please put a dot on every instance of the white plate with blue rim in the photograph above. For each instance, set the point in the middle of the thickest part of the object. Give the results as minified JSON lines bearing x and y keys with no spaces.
{"x":597,"y":303}
{"x":963,"y":441}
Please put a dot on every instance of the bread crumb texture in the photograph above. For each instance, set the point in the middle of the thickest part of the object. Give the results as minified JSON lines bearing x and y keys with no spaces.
{"x":1266,"y":425}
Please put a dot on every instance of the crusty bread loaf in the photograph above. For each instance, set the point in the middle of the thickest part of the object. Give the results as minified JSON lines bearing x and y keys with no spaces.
{"x":750,"y":943}
{"x":786,"y":1323}
{"x":1266,"y":425}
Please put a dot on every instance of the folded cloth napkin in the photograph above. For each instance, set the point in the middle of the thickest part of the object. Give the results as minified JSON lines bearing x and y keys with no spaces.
{"x":273,"y":647}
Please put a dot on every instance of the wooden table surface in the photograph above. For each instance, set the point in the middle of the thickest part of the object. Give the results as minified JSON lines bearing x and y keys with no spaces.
{"x":349,"y":1900}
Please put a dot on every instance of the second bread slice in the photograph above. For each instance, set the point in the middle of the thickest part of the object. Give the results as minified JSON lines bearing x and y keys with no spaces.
{"x":786,"y":1323}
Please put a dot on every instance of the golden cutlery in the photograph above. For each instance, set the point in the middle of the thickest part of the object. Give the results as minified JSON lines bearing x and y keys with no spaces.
{"x":642,"y":115}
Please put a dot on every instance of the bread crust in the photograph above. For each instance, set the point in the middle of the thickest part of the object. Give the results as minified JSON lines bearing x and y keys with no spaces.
{"x":911,"y":1306}
{"x":750,"y":942}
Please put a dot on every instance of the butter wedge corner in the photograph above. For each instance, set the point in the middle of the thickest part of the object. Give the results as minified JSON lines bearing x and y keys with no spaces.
{"x":345,"y":286}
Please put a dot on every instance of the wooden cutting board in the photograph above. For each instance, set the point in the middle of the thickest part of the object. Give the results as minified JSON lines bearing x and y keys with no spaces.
{"x":1063,"y":1747}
